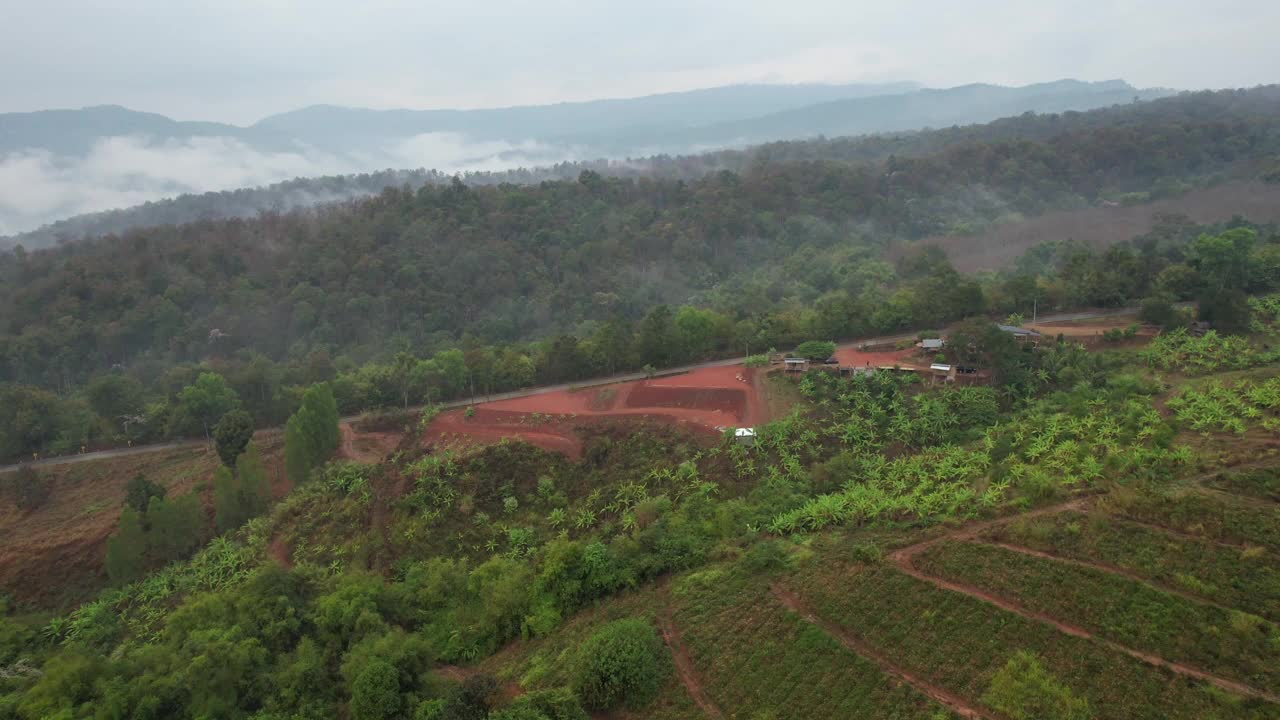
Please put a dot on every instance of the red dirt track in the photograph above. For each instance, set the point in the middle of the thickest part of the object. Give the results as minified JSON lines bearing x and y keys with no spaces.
{"x":706,"y":399}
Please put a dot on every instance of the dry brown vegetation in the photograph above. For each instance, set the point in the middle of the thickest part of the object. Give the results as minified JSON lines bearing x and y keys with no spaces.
{"x":1102,"y":226}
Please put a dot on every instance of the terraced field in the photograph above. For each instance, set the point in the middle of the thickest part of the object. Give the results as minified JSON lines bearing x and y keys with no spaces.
{"x":757,"y":659}
{"x":929,"y":632}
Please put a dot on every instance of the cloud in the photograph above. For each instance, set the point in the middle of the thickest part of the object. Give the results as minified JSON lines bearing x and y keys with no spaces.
{"x":37,"y":187}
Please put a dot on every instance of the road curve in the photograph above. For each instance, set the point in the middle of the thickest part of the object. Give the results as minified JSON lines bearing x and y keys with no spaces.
{"x":526,"y":392}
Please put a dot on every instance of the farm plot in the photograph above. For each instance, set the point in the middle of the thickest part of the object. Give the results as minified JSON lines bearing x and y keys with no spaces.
{"x":1228,"y":643}
{"x":759,"y":660}
{"x":962,"y":642}
{"x":1228,"y":576}
{"x":1217,"y":517}
{"x":706,"y":400}
{"x":1262,"y":483}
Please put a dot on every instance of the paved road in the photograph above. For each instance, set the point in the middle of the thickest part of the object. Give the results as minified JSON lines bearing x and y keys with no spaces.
{"x":607,"y":380}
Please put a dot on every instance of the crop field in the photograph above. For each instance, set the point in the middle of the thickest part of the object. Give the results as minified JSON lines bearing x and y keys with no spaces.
{"x":760,"y":660}
{"x":1229,"y":643}
{"x":961,"y":643}
{"x":1218,"y":517}
{"x":1263,"y":483}
{"x":707,"y":400}
{"x":1228,"y":576}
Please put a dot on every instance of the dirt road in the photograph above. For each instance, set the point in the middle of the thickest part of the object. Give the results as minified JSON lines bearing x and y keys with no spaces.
{"x":608,"y":380}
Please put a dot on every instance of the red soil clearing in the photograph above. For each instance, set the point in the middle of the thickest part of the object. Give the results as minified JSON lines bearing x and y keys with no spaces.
{"x":853,"y":357}
{"x":707,"y":399}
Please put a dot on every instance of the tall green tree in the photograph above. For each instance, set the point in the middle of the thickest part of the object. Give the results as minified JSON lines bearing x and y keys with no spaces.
{"x":311,"y":434}
{"x":656,"y":338}
{"x":232,"y":434}
{"x":139,"y":491}
{"x":126,"y":549}
{"x":114,"y":397}
{"x":176,"y":527}
{"x":243,"y":495}
{"x":206,"y":401}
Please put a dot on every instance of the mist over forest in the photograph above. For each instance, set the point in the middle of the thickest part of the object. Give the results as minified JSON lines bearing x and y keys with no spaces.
{"x":58,"y":164}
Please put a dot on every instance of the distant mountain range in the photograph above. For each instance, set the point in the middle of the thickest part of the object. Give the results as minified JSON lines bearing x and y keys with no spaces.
{"x":62,"y":163}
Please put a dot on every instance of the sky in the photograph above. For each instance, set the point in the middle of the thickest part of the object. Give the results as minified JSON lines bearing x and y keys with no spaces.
{"x":241,"y":60}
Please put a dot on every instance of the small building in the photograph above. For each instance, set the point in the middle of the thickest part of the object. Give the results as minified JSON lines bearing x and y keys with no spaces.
{"x":942,"y":372}
{"x":1021,"y":334}
{"x":745,"y":436}
{"x":796,"y":364}
{"x":931,"y":344}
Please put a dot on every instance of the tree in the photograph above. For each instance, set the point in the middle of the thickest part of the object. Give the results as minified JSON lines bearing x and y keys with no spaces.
{"x":816,"y":350}
{"x":126,"y":549}
{"x":312,"y":433}
{"x":139,"y":491}
{"x":29,"y":419}
{"x":1159,"y":310}
{"x":656,"y":338}
{"x":114,"y":396}
{"x":207,"y":400}
{"x":232,"y":434}
{"x":226,"y":500}
{"x":242,"y":495}
{"x":1223,"y":261}
{"x":175,"y":527}
{"x":298,"y":452}
{"x":375,"y":694}
{"x":619,"y":665}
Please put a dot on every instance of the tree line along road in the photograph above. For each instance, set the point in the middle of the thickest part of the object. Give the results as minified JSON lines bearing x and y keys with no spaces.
{"x":576,"y":385}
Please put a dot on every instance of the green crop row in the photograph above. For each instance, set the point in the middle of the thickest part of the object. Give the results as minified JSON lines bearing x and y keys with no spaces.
{"x":1236,"y":408}
{"x":1259,"y":482}
{"x":961,"y":643}
{"x":1212,"y":516}
{"x":758,"y":660}
{"x":1229,"y":643}
{"x":1201,"y":355}
{"x":1248,"y":581}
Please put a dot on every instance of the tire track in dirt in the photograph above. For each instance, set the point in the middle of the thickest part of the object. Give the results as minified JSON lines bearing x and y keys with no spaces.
{"x":684,"y":664}
{"x":856,"y":645}
{"x":902,"y":560}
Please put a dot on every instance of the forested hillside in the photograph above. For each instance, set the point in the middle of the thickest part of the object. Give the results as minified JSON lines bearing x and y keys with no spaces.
{"x":495,"y":287}
{"x":1186,"y":108}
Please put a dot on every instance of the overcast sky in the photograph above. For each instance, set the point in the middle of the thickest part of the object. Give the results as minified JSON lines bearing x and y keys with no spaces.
{"x":240,"y":60}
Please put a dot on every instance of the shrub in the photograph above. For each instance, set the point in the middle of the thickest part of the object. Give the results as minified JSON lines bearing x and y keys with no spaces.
{"x":1023,"y":690}
{"x":27,"y":487}
{"x":866,"y":552}
{"x":619,"y":665}
{"x":816,"y":349}
{"x":558,"y":704}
